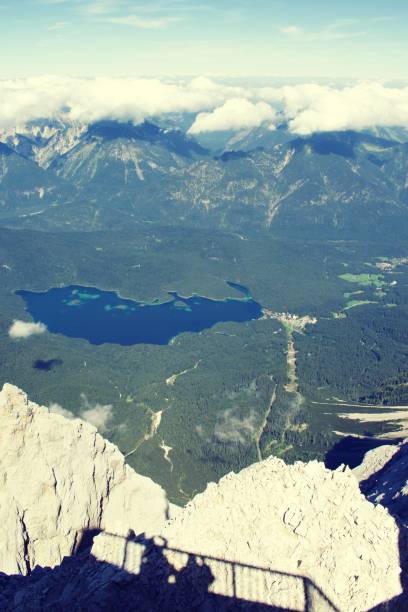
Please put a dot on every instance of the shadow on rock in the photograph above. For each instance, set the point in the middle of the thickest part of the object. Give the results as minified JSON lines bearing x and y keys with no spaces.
{"x":196,"y":583}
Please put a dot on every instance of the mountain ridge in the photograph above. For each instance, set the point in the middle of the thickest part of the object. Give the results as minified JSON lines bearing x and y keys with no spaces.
{"x":338,"y":184}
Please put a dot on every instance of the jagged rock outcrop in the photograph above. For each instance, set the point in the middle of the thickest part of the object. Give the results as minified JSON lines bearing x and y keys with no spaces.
{"x":384,"y":479}
{"x":374,"y":460}
{"x":59,"y":478}
{"x":301,"y":520}
{"x":309,"y":528}
{"x":297,"y":537}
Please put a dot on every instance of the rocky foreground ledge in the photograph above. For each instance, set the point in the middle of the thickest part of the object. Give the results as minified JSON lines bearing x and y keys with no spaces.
{"x":273,"y":537}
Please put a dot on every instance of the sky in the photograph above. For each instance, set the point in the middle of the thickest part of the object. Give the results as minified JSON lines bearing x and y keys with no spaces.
{"x":305,"y":39}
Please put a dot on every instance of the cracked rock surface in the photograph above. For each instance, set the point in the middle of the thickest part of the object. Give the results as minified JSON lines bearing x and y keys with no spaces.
{"x":300,"y":519}
{"x":58,"y":478}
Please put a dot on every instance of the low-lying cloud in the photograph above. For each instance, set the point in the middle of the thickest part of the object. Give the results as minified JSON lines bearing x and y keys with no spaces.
{"x":314,"y":108}
{"x":306,"y":108}
{"x":89,"y":100}
{"x":25,"y":329}
{"x":55,"y":408}
{"x":98,"y":415}
{"x":235,"y":429}
{"x":235,"y":114}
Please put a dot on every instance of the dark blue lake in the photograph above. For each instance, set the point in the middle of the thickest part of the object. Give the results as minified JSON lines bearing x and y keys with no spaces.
{"x":103,"y":316}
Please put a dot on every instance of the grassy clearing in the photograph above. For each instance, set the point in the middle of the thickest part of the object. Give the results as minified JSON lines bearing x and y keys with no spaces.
{"x":366,"y":280}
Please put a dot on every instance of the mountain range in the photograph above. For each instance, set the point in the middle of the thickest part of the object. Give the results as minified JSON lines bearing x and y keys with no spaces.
{"x":111,"y":174}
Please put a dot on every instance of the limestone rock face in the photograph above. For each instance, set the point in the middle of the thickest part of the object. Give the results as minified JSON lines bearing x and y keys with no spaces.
{"x":296,"y":536}
{"x":298,"y":520}
{"x":374,"y":461}
{"x":58,"y":478}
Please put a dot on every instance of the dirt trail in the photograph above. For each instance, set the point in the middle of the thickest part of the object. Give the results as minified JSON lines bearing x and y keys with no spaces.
{"x":156,"y":418}
{"x":264,"y":423}
{"x":172,"y":379}
{"x":292,"y":386}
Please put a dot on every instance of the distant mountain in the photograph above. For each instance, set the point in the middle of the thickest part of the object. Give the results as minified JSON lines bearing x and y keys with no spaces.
{"x":258,"y":138}
{"x":173,"y":140}
{"x":348,"y":144}
{"x":5,"y":151}
{"x":25,"y":188}
{"x":396,"y":134}
{"x":42,"y":141}
{"x":336,"y":184}
{"x":343,"y":190}
{"x":128,"y":167}
{"x":394,"y":164}
{"x":326,"y":184}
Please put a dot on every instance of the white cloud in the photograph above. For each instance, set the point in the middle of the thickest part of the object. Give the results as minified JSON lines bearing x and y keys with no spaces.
{"x":292,"y":30}
{"x":25,"y":329}
{"x":98,"y":415}
{"x":87,"y":100}
{"x":383,"y":19}
{"x":333,"y":31}
{"x":360,"y":107}
{"x":235,"y":114}
{"x":135,"y":21}
{"x":315,"y":108}
{"x":57,"y":409}
{"x":232,"y":428}
{"x":307,"y":108}
{"x":100,"y":7}
{"x":59,"y":25}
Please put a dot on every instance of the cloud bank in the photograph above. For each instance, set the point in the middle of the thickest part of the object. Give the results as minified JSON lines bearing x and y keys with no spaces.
{"x":25,"y":329}
{"x":235,"y":114}
{"x":314,"y":108}
{"x":306,"y":108}
{"x":88,"y":100}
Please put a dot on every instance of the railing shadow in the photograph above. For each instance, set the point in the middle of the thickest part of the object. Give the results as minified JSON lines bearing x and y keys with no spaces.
{"x":127,"y":574}
{"x":237,"y":581}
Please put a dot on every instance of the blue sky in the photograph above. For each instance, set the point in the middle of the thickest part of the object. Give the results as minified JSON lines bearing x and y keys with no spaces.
{"x":288,"y":38}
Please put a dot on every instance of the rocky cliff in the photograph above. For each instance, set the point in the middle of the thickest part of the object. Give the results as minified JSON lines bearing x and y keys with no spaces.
{"x":273,"y":537}
{"x":384,"y":479}
{"x":58,"y":479}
